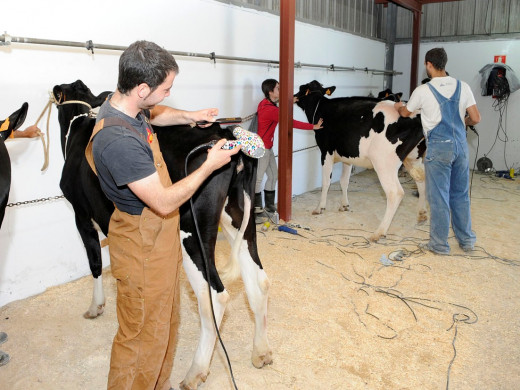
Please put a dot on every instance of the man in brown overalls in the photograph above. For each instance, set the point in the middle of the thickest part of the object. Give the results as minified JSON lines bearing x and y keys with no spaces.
{"x":145,"y":251}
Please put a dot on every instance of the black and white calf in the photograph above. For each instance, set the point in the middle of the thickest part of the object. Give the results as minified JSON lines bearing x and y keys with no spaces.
{"x":224,"y":198}
{"x":369,"y":133}
{"x":7,"y":126}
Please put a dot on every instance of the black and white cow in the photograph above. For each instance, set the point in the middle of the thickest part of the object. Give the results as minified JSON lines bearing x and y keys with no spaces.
{"x":367,"y":132}
{"x":224,"y":198}
{"x":7,"y":126}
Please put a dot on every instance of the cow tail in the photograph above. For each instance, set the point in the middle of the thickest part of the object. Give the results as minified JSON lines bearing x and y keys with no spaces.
{"x":231,"y":270}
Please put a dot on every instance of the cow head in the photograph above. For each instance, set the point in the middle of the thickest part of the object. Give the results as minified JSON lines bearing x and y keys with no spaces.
{"x":72,"y":100}
{"x":387,"y":94}
{"x":13,"y":121}
{"x":77,"y":91}
{"x":309,"y":95}
{"x":314,"y":87}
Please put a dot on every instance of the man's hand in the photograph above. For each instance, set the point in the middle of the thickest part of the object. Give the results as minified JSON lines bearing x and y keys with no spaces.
{"x":401,"y":109}
{"x":398,"y":105}
{"x":206,"y":115}
{"x":218,"y":157}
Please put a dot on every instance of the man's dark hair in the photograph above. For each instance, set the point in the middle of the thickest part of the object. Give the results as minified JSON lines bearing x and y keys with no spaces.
{"x":268,"y":86}
{"x":144,"y":62}
{"x":437,"y":57}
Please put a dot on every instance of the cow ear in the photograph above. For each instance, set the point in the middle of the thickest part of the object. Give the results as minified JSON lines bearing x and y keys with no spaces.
{"x":17,"y":118}
{"x":57,"y":93}
{"x":330,"y":90}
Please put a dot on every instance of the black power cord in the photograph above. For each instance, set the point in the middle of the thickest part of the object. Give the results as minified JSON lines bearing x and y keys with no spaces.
{"x":208,"y":145}
{"x":475,"y":162}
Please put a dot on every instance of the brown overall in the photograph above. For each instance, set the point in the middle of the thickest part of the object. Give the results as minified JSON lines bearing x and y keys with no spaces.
{"x":145,"y":256}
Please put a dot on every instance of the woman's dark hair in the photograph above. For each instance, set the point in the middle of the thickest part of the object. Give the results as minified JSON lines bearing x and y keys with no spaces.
{"x":268,"y":86}
{"x":437,"y":57}
{"x":144,"y":62}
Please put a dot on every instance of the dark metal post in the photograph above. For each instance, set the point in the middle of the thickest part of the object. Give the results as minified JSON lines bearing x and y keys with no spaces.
{"x":391,"y":26}
{"x":416,"y":39}
{"x":285,"y":127}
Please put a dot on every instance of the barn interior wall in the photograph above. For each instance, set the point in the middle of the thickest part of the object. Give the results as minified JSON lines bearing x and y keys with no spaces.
{"x":465,"y":59}
{"x":39,"y":244}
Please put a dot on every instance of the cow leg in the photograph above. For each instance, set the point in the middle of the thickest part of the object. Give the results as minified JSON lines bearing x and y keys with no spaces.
{"x":326,"y":172}
{"x":90,"y":238}
{"x":387,"y":172}
{"x":199,"y":369}
{"x":257,"y":285}
{"x":344,"y":181}
{"x":415,"y":168}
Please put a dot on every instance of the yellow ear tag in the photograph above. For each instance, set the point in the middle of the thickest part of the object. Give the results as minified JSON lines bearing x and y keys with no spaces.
{"x":5,"y":125}
{"x":308,"y":91}
{"x":327,"y":92}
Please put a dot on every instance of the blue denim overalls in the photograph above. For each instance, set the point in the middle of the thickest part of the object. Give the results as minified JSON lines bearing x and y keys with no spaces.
{"x":447,"y":177}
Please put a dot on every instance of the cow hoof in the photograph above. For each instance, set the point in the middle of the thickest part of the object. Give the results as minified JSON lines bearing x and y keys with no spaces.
{"x":422,"y":218}
{"x":344,"y":208}
{"x":262,"y":360}
{"x":94,"y":313}
{"x":194,"y":383}
{"x":318,"y":211}
{"x":376,"y":237}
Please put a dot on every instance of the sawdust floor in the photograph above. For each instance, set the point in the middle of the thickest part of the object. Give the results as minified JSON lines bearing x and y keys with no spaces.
{"x":338,"y":318}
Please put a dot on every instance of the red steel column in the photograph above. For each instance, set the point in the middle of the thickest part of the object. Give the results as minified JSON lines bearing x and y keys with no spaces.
{"x":285,"y":127}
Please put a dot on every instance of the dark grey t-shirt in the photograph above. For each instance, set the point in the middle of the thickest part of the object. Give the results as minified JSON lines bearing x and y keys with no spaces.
{"x":122,"y":157}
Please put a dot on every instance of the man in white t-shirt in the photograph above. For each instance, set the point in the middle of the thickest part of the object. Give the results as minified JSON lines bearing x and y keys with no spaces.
{"x":443,"y":104}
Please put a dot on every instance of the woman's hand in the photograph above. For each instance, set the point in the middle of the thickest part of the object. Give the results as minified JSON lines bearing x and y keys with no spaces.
{"x":30,"y":132}
{"x":318,"y":125}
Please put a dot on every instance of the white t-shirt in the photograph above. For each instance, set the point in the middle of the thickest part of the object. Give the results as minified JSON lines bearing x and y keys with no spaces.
{"x":423,"y":99}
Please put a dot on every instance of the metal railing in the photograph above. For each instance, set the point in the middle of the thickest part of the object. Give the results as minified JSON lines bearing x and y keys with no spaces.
{"x":6,"y":39}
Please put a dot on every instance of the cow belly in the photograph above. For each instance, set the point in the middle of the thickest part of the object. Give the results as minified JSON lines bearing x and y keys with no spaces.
{"x":372,"y":149}
{"x":363,"y":162}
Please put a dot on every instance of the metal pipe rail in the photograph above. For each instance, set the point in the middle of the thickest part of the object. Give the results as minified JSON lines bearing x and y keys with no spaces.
{"x":6,"y":39}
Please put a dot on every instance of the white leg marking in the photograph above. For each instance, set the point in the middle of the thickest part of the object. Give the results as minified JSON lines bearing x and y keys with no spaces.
{"x":97,"y":306}
{"x":415,"y":168}
{"x":387,"y":166}
{"x":344,"y":181}
{"x":326,"y":171}
{"x":256,"y":285}
{"x":200,"y":365}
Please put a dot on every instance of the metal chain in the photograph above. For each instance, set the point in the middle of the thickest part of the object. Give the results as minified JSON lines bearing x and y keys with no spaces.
{"x":249,"y":117}
{"x":35,"y":201}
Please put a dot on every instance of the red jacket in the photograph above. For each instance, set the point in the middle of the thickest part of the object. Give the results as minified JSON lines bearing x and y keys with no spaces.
{"x":268,"y":115}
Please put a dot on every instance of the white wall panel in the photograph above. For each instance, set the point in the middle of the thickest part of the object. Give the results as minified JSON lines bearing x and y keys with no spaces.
{"x":465,"y":59}
{"x":39,"y":245}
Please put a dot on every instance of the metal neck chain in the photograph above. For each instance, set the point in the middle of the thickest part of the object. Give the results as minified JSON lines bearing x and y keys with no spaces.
{"x":26,"y":202}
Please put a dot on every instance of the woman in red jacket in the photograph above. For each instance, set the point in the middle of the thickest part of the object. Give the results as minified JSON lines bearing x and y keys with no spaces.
{"x":268,"y":117}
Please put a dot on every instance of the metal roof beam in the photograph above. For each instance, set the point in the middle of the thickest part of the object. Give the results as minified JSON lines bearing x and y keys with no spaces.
{"x":412,"y":5}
